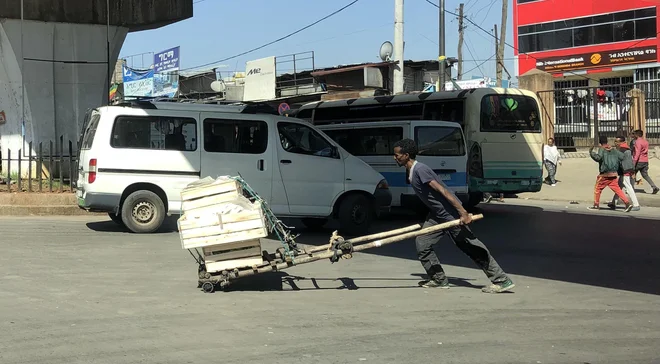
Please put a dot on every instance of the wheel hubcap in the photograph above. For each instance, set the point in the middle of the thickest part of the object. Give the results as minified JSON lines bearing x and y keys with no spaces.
{"x":358,"y":215}
{"x":144,"y":212}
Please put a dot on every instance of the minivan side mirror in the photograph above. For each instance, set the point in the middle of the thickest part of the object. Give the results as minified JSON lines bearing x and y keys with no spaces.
{"x":335,"y":152}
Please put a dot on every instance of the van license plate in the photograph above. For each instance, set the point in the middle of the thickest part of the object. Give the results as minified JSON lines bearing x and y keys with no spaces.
{"x":445,"y":176}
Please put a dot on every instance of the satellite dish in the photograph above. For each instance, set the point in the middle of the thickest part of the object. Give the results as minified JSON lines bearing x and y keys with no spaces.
{"x":386,"y":50}
{"x":218,"y":86}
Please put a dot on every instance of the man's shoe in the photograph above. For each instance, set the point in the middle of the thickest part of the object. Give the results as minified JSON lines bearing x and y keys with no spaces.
{"x":611,"y":206}
{"x":593,"y":208}
{"x":635,"y":208}
{"x":655,"y":190}
{"x":499,"y":287}
{"x":628,"y":207}
{"x":434,"y":284}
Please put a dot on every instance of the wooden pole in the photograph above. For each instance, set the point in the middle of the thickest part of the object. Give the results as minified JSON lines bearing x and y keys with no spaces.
{"x":370,"y":237}
{"x":377,"y":243}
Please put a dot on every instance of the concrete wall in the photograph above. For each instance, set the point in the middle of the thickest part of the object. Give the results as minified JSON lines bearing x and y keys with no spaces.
{"x":57,"y":94}
{"x":133,"y":14}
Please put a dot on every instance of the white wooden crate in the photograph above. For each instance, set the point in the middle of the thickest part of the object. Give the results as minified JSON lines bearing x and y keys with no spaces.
{"x":225,"y":224}
{"x":234,"y":255}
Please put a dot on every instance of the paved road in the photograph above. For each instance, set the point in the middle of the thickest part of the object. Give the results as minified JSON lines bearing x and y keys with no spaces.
{"x":79,"y":290}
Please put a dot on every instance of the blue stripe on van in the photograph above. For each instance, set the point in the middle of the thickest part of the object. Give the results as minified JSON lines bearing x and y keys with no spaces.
{"x":398,"y":179}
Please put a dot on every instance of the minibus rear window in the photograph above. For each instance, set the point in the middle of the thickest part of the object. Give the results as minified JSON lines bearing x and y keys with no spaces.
{"x":439,"y":141}
{"x":509,"y":113}
{"x":90,"y":132}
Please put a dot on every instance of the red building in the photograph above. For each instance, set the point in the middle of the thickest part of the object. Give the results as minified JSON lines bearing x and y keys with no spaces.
{"x":614,"y":41}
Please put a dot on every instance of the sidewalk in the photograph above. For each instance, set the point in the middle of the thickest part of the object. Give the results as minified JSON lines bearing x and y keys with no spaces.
{"x":575,"y":182}
{"x":29,"y":204}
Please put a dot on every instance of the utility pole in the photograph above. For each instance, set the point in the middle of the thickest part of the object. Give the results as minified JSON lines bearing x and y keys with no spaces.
{"x":497,"y":54}
{"x":441,"y":42}
{"x":398,"y":46}
{"x":460,"y":42}
{"x":500,"y":48}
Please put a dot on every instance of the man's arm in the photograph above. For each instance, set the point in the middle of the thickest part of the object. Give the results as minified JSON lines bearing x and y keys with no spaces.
{"x":637,"y":152}
{"x":465,"y":217}
{"x":595,"y":156}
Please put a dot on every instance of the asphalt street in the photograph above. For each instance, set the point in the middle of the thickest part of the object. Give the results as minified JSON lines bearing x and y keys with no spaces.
{"x":81,"y":290}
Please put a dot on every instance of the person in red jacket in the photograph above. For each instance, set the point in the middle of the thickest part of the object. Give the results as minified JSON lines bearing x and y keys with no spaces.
{"x":641,"y":158}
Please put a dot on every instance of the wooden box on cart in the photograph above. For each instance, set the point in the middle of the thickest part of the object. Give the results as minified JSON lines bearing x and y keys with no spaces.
{"x":222,"y":222}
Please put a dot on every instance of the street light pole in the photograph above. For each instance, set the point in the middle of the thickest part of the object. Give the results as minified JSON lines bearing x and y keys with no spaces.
{"x":398,"y":47}
{"x":441,"y":42}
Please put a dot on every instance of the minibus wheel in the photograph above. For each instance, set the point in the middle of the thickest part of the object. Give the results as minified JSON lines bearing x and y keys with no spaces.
{"x":355,"y":215}
{"x":143,"y":212}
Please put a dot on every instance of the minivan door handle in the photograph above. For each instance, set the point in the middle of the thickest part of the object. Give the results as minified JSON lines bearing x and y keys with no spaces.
{"x":260,"y":164}
{"x":285,"y":161}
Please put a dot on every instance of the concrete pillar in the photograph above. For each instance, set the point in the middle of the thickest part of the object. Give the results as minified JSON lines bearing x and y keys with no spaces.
{"x":543,"y":84}
{"x":51,"y":97}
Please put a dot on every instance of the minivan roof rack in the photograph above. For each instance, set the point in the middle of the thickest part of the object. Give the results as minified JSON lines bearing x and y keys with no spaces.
{"x":231,"y":107}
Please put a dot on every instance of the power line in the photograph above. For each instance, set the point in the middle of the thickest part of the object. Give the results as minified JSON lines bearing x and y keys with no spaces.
{"x":479,"y":65}
{"x":276,"y":40}
{"x":467,"y":45}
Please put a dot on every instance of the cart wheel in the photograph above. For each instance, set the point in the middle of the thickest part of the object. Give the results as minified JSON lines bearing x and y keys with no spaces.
{"x":208,"y":287}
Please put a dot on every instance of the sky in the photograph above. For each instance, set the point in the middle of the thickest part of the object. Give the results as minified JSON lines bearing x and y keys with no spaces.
{"x":224,"y":28}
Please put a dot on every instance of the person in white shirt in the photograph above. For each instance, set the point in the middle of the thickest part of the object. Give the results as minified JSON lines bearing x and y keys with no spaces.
{"x":551,"y":159}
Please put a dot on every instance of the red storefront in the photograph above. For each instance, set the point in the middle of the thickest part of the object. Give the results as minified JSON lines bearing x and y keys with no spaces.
{"x":603,"y":38}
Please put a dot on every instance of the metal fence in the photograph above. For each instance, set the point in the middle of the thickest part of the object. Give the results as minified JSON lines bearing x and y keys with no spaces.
{"x":40,"y":168}
{"x":582,"y":114}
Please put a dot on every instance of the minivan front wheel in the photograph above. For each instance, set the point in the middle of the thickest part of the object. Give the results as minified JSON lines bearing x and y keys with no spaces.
{"x":143,"y":212}
{"x":355,"y":215}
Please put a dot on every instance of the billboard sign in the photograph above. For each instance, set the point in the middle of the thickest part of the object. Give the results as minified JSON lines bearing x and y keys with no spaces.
{"x":598,"y":59}
{"x":138,"y":83}
{"x":260,"y":79}
{"x":167,"y":60}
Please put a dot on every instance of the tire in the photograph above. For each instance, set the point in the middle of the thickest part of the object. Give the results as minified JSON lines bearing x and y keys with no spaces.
{"x":116,"y":218}
{"x":355,"y":215}
{"x":474,"y":199}
{"x":314,"y":223}
{"x":143,"y":212}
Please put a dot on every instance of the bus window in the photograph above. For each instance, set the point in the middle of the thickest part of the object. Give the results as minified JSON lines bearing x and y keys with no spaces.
{"x":451,"y":110}
{"x":439,"y":141}
{"x":367,"y":142}
{"x":509,"y":113}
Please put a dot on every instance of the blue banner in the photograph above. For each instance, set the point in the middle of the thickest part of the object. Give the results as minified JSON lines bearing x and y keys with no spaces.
{"x":138,"y":82}
{"x":167,"y":60}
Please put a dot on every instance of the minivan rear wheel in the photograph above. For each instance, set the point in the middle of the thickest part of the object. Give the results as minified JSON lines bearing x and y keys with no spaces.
{"x":143,"y":212}
{"x":355,"y":215}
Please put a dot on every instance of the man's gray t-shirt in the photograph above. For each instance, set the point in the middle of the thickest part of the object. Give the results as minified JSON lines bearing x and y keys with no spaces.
{"x":439,"y":206}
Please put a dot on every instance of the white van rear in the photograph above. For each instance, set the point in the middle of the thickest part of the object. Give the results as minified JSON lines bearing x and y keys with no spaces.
{"x":441,"y":146}
{"x":136,"y":158}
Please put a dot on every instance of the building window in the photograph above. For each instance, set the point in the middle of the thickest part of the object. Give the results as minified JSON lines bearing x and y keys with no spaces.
{"x":235,"y":136}
{"x":155,"y":132}
{"x":578,"y":32}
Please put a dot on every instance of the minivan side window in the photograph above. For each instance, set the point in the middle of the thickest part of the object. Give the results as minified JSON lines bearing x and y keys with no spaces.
{"x":235,"y":136}
{"x":439,"y":141}
{"x":301,"y":139}
{"x":368,"y":141}
{"x":155,"y":132}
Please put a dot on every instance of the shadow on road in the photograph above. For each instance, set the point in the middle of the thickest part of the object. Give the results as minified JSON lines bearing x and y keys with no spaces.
{"x":599,"y":250}
{"x":109,"y":226}
{"x":281,"y":281}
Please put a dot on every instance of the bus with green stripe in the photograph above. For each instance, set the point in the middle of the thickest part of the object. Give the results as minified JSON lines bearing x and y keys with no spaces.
{"x":502,"y":126}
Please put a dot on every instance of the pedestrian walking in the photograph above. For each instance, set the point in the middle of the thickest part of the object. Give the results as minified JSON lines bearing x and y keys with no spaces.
{"x":551,"y":158}
{"x":609,"y":160}
{"x":641,"y":158}
{"x":443,"y":207}
{"x":625,"y":172}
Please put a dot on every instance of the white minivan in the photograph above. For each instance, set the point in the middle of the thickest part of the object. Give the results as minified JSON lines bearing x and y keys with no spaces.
{"x":136,"y":157}
{"x":441,"y":146}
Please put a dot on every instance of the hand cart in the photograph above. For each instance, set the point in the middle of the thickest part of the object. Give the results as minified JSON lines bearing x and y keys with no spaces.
{"x":291,"y":254}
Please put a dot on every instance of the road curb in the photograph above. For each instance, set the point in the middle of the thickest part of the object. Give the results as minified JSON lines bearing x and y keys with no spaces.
{"x":51,"y":210}
{"x":643,"y":201}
